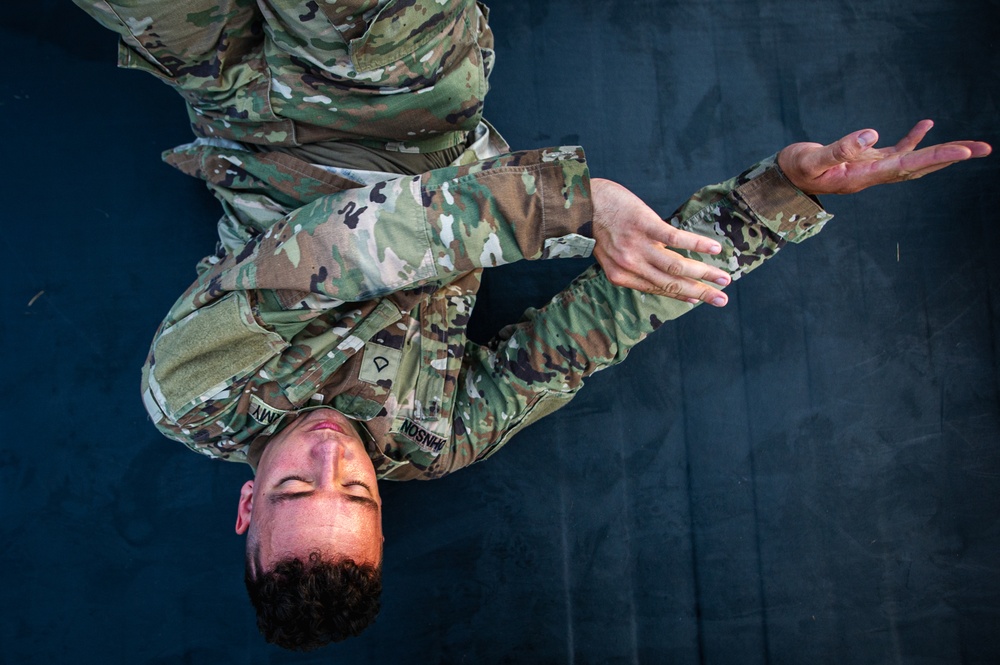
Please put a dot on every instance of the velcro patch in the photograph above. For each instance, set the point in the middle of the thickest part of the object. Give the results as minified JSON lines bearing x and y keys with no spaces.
{"x":380,"y":363}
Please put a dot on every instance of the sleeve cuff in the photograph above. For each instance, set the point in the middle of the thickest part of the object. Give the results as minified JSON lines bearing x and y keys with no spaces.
{"x":569,"y":246}
{"x":778,"y":204}
{"x":568,"y":207}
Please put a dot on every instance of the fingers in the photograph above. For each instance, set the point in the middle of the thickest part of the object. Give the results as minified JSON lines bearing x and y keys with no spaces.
{"x":635,"y":247}
{"x":671,"y":236}
{"x":847,"y":149}
{"x":662,"y":264}
{"x":978,"y":148}
{"x":915,"y":136}
{"x":911,"y":165}
{"x":932,"y":156}
{"x":685,"y":290}
{"x":660,"y":271}
{"x":919,"y":163}
{"x":910,"y":142}
{"x":930,"y":169}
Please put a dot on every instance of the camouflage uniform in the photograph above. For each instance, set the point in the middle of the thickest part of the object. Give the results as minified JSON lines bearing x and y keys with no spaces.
{"x":410,"y":75}
{"x":328,"y":291}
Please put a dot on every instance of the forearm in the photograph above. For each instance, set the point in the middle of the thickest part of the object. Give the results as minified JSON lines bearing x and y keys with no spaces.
{"x":752,"y":216}
{"x":398,"y":234}
{"x":537,"y":365}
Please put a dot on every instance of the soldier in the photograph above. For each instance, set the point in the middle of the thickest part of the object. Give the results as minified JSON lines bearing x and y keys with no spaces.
{"x":324,"y":342}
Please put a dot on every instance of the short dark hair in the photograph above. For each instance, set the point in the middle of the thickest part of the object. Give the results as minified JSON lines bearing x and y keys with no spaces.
{"x":303,"y":605}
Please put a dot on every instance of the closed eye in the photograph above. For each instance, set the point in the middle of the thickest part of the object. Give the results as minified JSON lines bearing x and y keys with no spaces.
{"x":358,"y":483}
{"x":288,"y":478}
{"x":282,"y":496}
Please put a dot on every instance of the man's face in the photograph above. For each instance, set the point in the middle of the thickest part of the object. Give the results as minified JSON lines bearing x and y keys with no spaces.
{"x":315,"y":490}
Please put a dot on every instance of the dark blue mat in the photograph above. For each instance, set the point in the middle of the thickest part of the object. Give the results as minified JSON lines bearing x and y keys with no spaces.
{"x":810,"y":476}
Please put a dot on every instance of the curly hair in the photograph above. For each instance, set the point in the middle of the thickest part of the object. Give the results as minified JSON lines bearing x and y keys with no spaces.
{"x":303,"y":605}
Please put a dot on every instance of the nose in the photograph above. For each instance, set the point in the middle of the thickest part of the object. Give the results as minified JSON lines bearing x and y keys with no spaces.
{"x":330,"y":451}
{"x":328,"y":444}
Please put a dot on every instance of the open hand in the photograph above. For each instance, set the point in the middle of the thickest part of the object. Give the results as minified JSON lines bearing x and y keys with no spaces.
{"x":633,"y":243}
{"x":852,"y":163}
{"x":632,"y":246}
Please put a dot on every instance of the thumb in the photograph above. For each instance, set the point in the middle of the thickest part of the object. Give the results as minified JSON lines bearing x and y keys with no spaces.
{"x":847,"y":149}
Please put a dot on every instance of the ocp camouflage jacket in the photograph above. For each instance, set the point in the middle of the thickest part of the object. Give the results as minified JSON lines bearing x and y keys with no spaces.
{"x":326,"y":291}
{"x":358,"y":297}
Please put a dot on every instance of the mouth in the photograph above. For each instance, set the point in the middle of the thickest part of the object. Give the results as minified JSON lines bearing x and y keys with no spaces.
{"x":327,"y":424}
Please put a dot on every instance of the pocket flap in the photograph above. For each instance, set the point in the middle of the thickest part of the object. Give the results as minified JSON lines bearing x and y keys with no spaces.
{"x":207,"y":352}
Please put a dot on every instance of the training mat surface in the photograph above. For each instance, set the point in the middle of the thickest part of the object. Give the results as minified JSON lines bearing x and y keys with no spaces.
{"x":810,"y":475}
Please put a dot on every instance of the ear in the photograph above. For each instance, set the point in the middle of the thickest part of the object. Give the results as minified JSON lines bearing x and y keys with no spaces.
{"x":245,"y":508}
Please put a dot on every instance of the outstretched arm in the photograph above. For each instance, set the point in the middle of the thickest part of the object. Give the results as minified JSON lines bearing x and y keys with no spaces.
{"x":537,"y":365}
{"x":636,"y":248}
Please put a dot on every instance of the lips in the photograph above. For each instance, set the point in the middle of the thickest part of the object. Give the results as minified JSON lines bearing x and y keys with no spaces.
{"x":327,"y":424}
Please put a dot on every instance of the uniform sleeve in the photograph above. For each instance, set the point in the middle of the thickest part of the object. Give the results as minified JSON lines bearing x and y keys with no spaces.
{"x":283,"y":314}
{"x":536,"y":366}
{"x":398,"y":234}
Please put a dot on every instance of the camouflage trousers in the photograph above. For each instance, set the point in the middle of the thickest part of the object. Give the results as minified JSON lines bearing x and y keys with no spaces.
{"x":408,"y":76}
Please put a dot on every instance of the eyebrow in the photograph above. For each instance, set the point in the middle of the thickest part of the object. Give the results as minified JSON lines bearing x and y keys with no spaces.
{"x":282,"y":497}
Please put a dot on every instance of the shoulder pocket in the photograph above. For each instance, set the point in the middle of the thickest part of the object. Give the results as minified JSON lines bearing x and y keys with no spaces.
{"x":204,"y":354}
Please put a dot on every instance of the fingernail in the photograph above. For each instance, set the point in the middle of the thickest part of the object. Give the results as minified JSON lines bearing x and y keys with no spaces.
{"x":719,"y":302}
{"x":866,"y":138}
{"x":722,"y":281}
{"x":715,"y":248}
{"x":693,"y":301}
